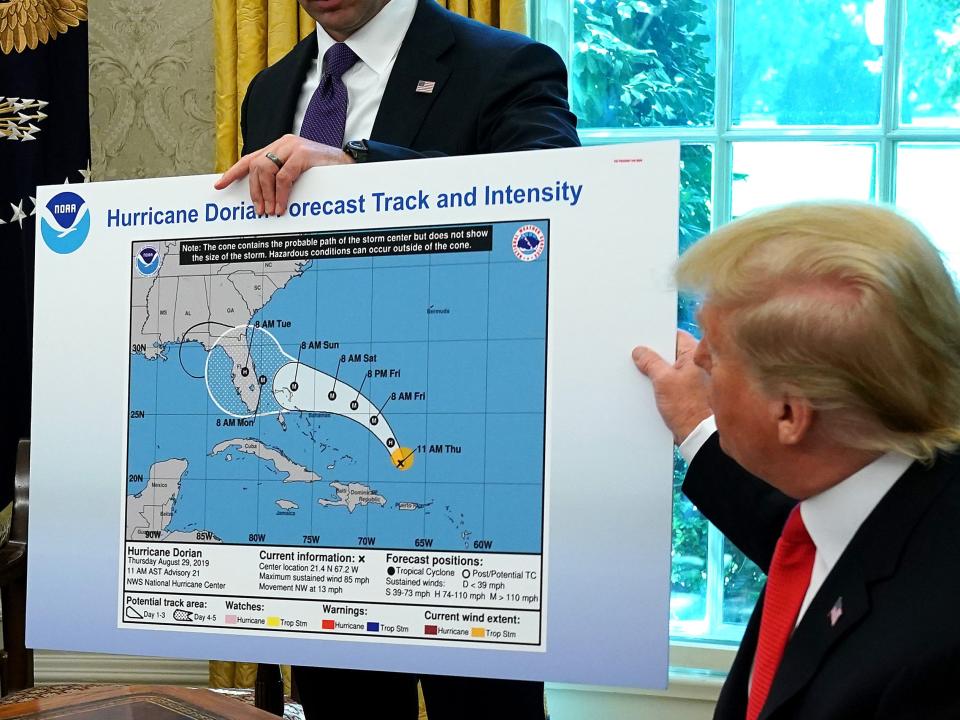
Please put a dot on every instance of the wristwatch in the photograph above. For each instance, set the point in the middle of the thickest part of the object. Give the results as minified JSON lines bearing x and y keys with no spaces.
{"x":358,"y":150}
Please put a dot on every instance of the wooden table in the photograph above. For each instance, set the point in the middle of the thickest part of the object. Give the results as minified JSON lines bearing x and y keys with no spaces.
{"x":135,"y":702}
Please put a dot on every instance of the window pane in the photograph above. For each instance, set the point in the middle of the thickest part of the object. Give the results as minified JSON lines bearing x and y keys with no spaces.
{"x":925,"y":194}
{"x":742,"y":583}
{"x":807,"y":62}
{"x":771,"y":173}
{"x":688,"y":596}
{"x":639,"y":63}
{"x":696,"y":181}
{"x":696,"y":211}
{"x":688,"y":575}
{"x":931,"y":64}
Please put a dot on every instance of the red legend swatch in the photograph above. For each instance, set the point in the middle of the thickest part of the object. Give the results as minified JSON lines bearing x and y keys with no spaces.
{"x":429,"y":629}
{"x":328,"y":624}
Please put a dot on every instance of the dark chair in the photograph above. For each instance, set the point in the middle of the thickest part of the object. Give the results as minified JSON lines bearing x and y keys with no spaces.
{"x":16,"y":661}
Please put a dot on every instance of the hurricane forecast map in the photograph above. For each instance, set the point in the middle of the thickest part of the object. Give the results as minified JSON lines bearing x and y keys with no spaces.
{"x":353,"y":417}
{"x":396,"y":428}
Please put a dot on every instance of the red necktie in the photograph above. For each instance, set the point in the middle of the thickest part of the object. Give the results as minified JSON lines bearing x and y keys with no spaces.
{"x":787,"y":584}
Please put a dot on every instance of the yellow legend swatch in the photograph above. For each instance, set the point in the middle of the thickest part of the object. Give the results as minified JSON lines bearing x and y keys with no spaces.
{"x":478,"y":632}
{"x":273,"y":621}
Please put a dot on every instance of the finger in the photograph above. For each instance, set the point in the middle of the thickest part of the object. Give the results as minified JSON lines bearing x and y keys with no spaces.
{"x":649,"y":362}
{"x":284,"y":183}
{"x":239,"y":170}
{"x":686,"y":345}
{"x":686,"y":340}
{"x":256,"y":195}
{"x":268,"y":185}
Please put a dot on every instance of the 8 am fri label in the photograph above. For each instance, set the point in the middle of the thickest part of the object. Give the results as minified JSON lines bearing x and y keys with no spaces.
{"x":420,"y":597}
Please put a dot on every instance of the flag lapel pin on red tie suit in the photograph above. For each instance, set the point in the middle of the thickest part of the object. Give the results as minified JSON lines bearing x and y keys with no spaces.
{"x":836,"y":612}
{"x":425,"y":86}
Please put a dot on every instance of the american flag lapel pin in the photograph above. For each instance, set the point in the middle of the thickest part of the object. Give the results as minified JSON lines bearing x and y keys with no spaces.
{"x":836,"y":612}
{"x":425,"y":86}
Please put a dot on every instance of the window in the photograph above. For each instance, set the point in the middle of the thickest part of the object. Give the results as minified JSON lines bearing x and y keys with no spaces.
{"x":772,"y":100}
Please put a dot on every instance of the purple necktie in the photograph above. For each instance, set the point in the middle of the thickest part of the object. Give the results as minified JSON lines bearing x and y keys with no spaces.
{"x":326,"y":114}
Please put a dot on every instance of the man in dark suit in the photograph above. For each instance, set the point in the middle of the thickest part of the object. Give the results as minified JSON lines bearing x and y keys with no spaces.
{"x":830,"y":360}
{"x":455,"y":87}
{"x":420,"y":81}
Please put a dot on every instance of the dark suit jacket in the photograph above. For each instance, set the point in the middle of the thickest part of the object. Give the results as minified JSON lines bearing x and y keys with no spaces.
{"x":495,"y":91}
{"x":895,"y":650}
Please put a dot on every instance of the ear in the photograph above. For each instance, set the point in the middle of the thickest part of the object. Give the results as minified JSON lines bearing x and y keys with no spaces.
{"x":794,"y":417}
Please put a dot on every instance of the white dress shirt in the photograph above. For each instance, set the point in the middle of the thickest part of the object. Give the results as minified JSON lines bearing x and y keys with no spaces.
{"x":376,"y":44}
{"x":833,"y":517}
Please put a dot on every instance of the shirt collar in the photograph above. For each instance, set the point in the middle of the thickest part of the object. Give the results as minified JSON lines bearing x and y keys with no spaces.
{"x":377,"y":42}
{"x":833,"y":517}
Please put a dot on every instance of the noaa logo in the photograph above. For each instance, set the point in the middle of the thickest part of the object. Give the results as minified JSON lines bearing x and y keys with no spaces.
{"x":148,"y":261}
{"x":528,"y":243}
{"x":65,"y":223}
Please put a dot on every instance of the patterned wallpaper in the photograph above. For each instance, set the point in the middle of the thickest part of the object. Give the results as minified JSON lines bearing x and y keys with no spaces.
{"x":151,"y":88}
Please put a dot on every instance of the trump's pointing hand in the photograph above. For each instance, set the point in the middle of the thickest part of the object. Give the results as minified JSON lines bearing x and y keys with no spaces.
{"x":680,"y":388}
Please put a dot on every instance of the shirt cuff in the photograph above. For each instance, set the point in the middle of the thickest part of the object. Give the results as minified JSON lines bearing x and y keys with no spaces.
{"x":694,"y":441}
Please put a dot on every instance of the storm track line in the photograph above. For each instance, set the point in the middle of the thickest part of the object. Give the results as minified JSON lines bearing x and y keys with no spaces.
{"x":297,"y":387}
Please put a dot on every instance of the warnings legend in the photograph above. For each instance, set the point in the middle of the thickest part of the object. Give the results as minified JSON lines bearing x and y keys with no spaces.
{"x":420,"y":597}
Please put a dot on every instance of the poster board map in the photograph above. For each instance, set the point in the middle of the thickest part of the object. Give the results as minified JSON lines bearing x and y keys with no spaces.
{"x":397,"y":428}
{"x":340,"y":390}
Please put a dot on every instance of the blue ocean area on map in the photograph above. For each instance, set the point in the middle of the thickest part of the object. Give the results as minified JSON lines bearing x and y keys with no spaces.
{"x":449,"y":352}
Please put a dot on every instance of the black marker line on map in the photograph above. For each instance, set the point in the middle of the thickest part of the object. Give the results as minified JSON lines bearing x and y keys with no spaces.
{"x":245,"y":370}
{"x":184,"y":338}
{"x":256,"y":413}
{"x":333,"y":393}
{"x":376,"y":418}
{"x":294,"y":385}
{"x":353,"y":403}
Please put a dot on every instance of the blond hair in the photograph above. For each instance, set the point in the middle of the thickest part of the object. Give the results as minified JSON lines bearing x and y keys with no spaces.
{"x":849,"y":306}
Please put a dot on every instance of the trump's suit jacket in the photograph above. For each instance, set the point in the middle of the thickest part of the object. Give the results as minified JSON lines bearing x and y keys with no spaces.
{"x":881,"y":638}
{"x":495,"y":91}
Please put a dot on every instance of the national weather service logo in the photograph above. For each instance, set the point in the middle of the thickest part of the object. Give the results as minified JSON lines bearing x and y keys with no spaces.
{"x":528,"y":243}
{"x":148,"y":261}
{"x":65,"y":222}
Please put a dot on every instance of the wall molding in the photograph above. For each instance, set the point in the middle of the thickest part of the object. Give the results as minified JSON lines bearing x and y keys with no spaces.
{"x":53,"y":666}
{"x":682,"y":686}
{"x":690,"y":695}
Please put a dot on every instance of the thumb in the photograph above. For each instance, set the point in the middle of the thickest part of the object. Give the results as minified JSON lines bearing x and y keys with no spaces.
{"x":649,"y":362}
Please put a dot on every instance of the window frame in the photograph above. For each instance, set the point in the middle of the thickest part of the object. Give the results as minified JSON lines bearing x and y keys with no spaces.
{"x":551,"y":22}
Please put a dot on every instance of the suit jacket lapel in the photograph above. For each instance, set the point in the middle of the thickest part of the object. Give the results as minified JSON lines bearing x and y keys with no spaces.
{"x":872,"y":555}
{"x":403,"y":109}
{"x":815,"y":634}
{"x":283,"y":93}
